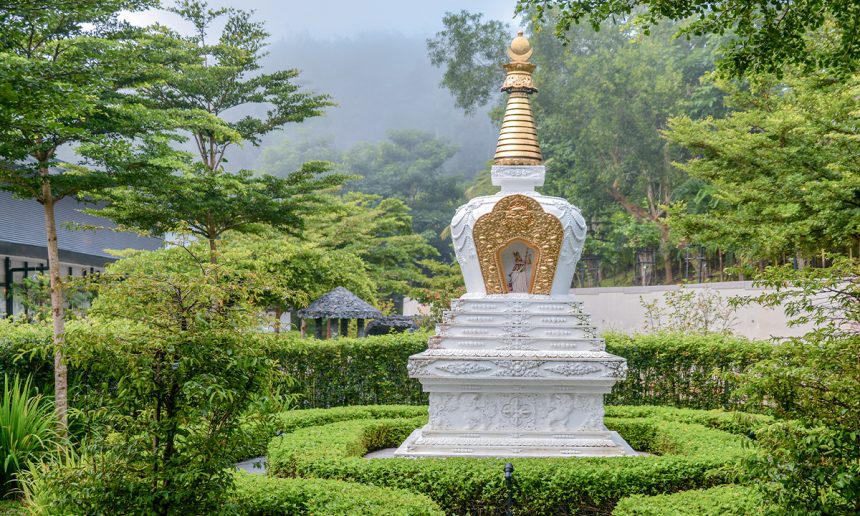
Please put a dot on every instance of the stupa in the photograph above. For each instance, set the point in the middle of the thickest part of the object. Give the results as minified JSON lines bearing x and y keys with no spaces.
{"x":516,"y":369}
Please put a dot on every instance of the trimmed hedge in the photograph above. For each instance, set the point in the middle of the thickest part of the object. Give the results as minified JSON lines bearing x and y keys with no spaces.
{"x":335,"y":373}
{"x":682,"y":370}
{"x":731,"y":500}
{"x":258,"y":495}
{"x":693,"y":371}
{"x":693,"y":452}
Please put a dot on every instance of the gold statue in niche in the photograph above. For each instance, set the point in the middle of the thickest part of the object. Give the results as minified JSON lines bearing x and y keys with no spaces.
{"x":518,"y":245}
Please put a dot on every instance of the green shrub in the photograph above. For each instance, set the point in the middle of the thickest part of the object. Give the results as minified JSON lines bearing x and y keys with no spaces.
{"x":26,"y":429}
{"x":258,"y":495}
{"x":691,"y":455}
{"x":21,"y":352}
{"x":694,"y":371}
{"x":367,"y":371}
{"x":730,"y":500}
{"x":682,"y":370}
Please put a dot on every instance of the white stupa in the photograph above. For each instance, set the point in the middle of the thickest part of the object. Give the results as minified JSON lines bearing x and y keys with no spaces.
{"x":516,"y":368}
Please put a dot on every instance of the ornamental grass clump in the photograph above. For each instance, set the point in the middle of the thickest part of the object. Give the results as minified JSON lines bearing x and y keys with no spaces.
{"x":26,"y":428}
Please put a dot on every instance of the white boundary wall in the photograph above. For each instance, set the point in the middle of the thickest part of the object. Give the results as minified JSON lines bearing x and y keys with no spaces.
{"x":620,"y":308}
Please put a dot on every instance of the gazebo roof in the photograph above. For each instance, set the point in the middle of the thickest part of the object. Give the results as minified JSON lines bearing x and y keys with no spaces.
{"x":340,"y":303}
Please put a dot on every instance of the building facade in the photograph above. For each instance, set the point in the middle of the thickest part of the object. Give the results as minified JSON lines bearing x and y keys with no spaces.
{"x":23,"y":251}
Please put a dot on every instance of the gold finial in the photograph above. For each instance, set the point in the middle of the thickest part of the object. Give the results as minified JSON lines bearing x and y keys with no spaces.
{"x":518,"y":143}
{"x":520,"y":50}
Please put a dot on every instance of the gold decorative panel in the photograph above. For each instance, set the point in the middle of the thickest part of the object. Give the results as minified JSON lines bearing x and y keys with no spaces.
{"x":518,"y":218}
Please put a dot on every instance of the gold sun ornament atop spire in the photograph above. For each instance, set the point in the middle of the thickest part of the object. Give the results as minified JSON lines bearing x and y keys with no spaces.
{"x":518,"y":143}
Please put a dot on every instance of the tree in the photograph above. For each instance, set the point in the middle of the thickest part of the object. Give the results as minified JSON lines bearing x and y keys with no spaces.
{"x":781,"y":168}
{"x":409,"y":167}
{"x":763,"y":35}
{"x":470,"y":51}
{"x":215,"y":77}
{"x":293,"y":274}
{"x":68,"y":71}
{"x":378,"y":230}
{"x":209,"y":204}
{"x":810,"y":460}
{"x":172,"y":335}
{"x":286,"y":156}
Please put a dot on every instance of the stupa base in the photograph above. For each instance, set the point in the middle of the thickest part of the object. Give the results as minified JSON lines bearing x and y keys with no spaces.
{"x":425,"y":442}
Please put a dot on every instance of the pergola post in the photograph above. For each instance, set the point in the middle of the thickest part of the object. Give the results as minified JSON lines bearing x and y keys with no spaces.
{"x":318,"y":327}
{"x":344,"y":328}
{"x":304,"y":327}
{"x":328,"y":328}
{"x":361,"y":327}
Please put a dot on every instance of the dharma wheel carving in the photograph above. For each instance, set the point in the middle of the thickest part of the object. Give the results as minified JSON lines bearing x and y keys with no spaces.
{"x":518,"y":218}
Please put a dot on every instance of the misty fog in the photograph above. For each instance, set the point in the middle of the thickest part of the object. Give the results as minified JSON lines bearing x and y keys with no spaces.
{"x":380,"y":81}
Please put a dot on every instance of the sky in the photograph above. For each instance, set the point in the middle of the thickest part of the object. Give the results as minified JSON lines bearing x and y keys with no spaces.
{"x":339,"y":18}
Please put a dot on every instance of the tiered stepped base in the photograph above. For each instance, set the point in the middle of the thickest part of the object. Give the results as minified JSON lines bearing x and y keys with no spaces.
{"x":515,"y":375}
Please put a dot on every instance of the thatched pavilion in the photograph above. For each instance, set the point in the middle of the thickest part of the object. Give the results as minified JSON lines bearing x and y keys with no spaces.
{"x":339,"y":304}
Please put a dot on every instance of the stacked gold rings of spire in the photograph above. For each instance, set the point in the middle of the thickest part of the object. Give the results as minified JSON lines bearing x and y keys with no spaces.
{"x":518,"y":142}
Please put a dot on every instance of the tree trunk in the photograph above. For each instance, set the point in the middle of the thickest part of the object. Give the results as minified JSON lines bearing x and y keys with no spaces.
{"x":277,"y":325}
{"x":666,"y":253}
{"x":61,"y":381}
{"x":213,"y":252}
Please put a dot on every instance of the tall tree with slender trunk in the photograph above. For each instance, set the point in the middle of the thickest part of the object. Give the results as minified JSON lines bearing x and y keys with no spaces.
{"x":215,"y":74}
{"x":67,"y":75}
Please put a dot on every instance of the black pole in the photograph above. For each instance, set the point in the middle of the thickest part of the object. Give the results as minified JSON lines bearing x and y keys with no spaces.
{"x":509,"y":483}
{"x":7,"y":277}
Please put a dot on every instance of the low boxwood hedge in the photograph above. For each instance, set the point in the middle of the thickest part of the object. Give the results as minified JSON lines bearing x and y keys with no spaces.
{"x":258,"y":495}
{"x":729,"y":500}
{"x":690,"y":451}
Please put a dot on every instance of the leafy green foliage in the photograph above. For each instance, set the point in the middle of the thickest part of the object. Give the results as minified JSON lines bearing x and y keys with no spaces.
{"x":444,"y":283}
{"x":763,"y":35}
{"x":409,"y":166}
{"x":362,"y":371}
{"x":21,"y":352}
{"x":169,"y":348}
{"x":682,"y":369}
{"x":686,"y":310}
{"x":69,"y":71}
{"x":716,"y":501}
{"x":258,"y":495}
{"x":691,"y":455}
{"x":225,"y":73}
{"x":26,"y":428}
{"x":696,"y":371}
{"x":379,"y":231}
{"x":812,"y":460}
{"x":471,"y":51}
{"x":211,"y":78}
{"x":210,"y":203}
{"x":292,"y":274}
{"x":781,"y":167}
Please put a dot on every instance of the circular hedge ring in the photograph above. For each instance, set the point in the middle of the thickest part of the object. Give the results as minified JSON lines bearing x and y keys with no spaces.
{"x":690,"y":449}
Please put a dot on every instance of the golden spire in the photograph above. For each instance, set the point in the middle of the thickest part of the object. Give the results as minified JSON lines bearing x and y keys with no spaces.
{"x":518,"y":143}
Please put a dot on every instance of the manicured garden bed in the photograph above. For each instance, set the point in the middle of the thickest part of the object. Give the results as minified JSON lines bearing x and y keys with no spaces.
{"x":690,"y":449}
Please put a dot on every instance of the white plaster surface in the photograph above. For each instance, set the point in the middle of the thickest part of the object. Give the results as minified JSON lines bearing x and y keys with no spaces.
{"x":620,"y":309}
